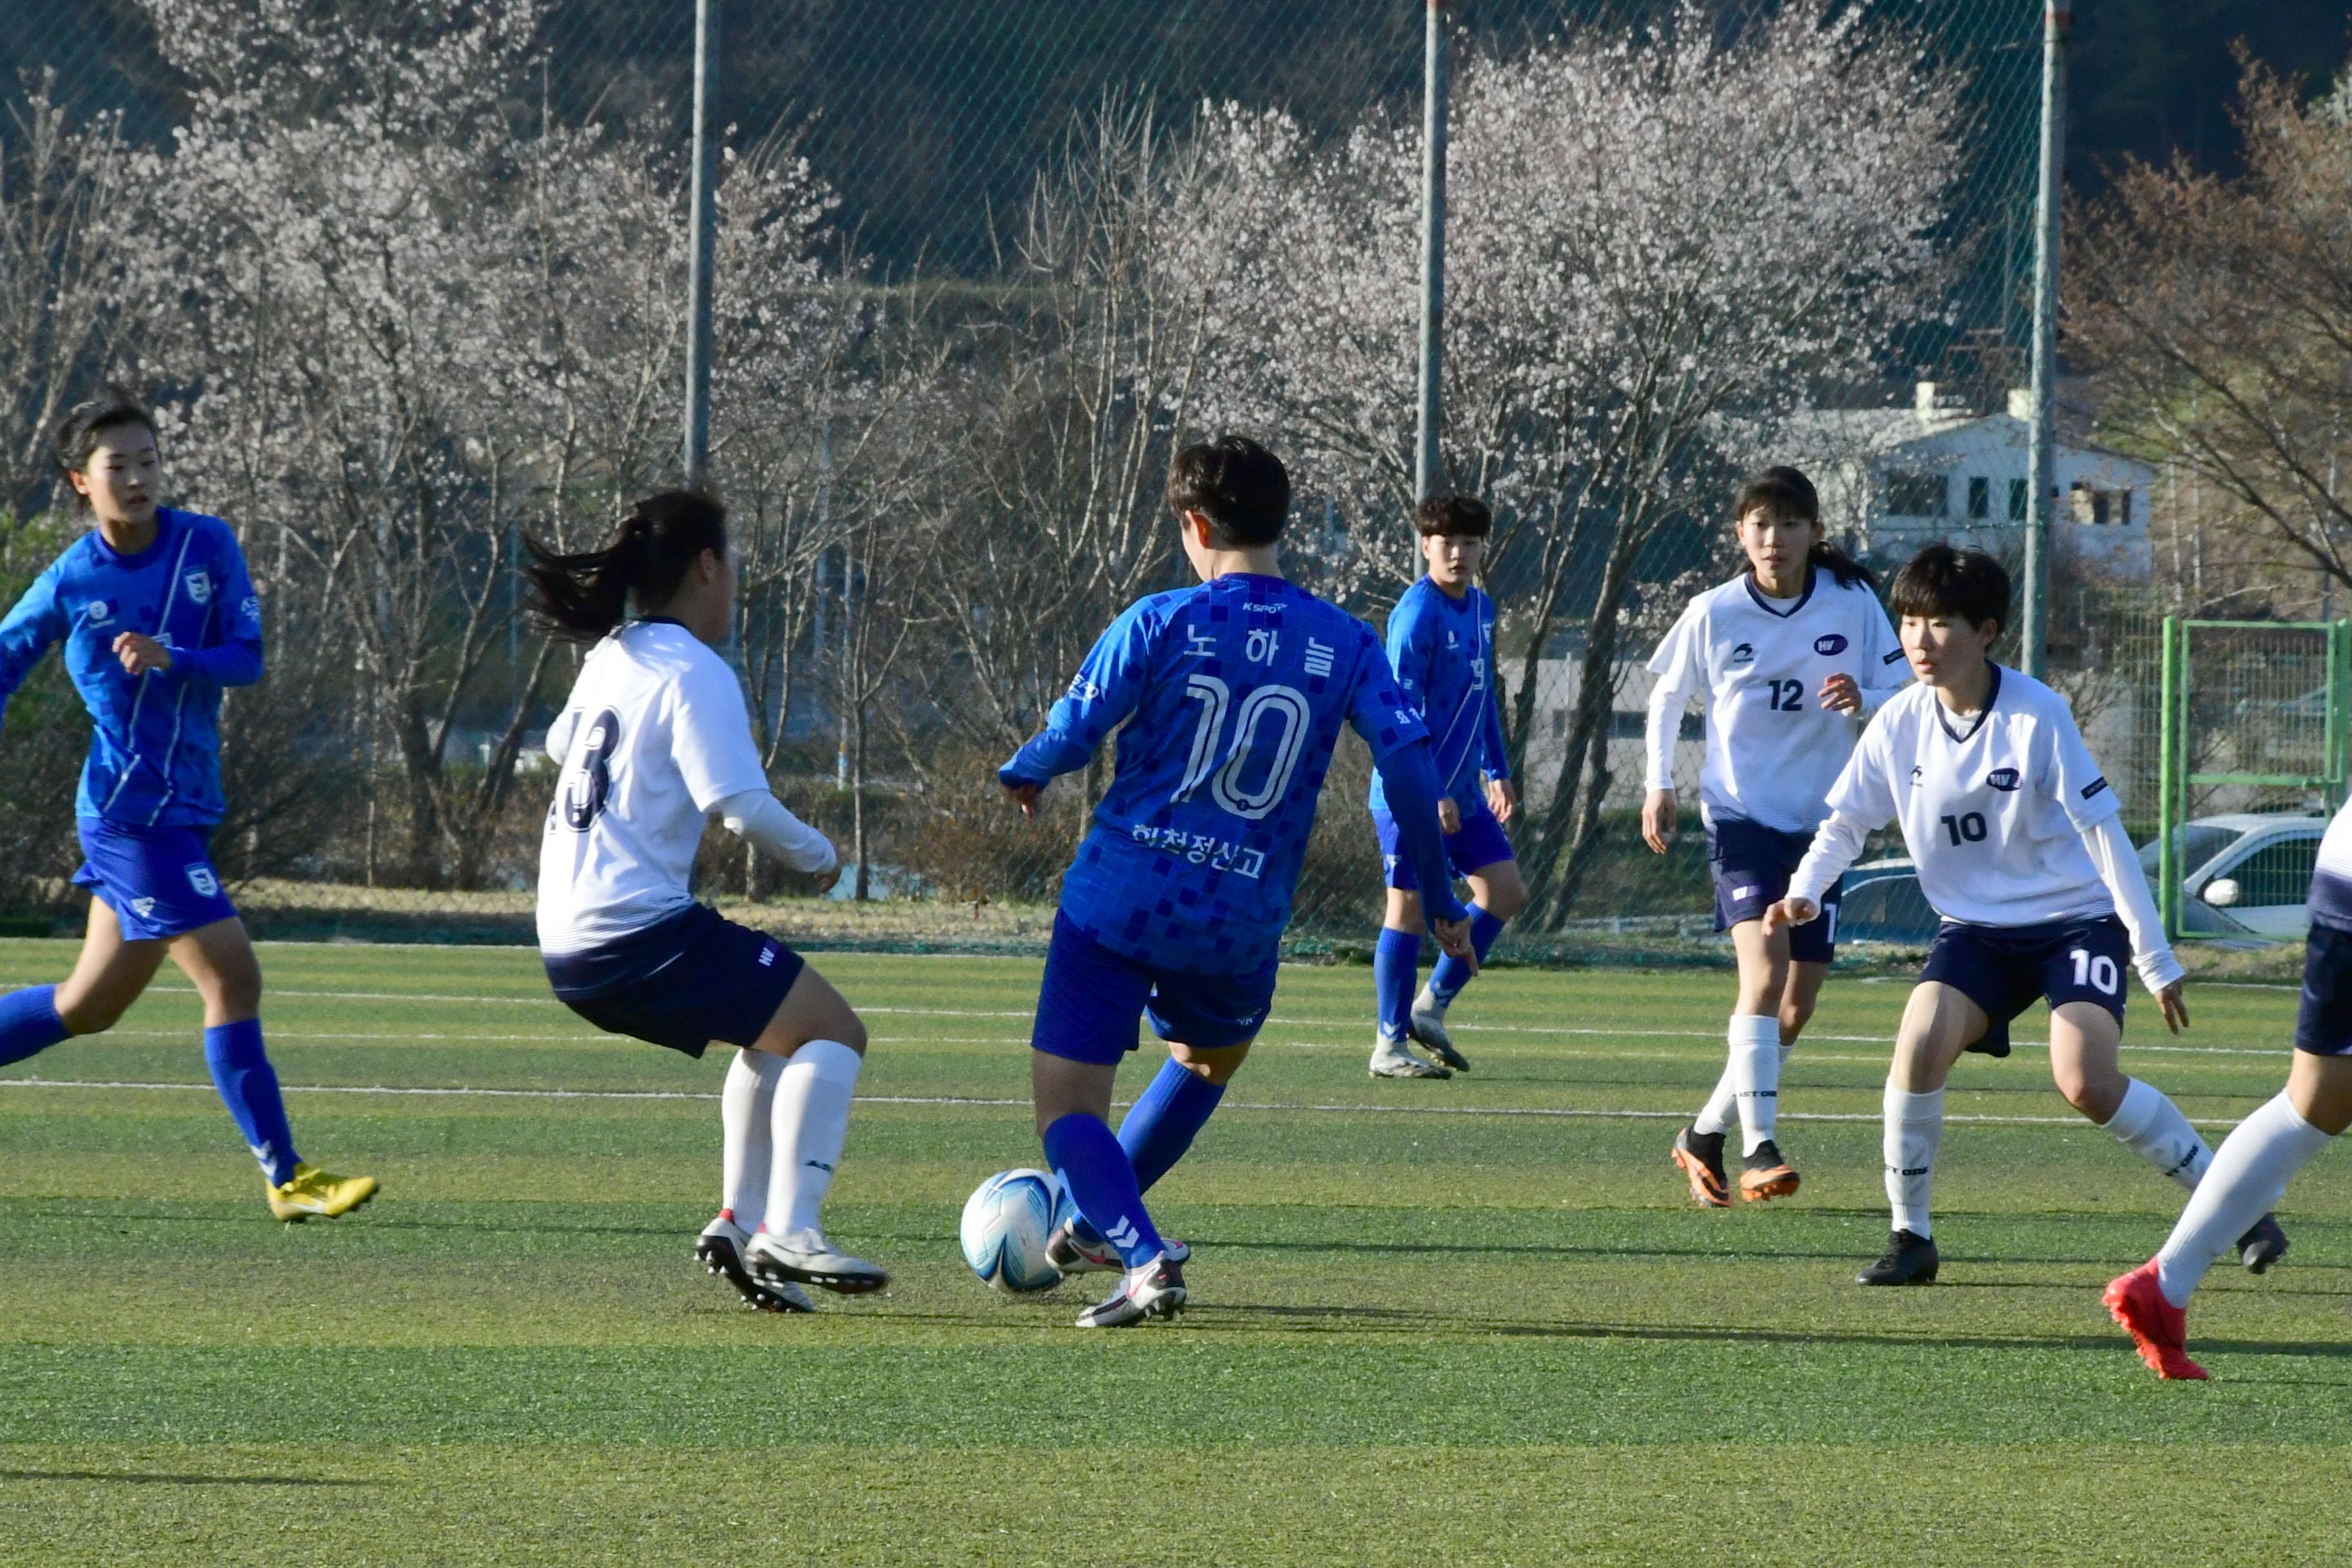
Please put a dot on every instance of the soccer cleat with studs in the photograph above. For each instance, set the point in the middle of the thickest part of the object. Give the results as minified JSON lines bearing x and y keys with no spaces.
{"x":312,"y":1192}
{"x":719,"y":1249}
{"x":1909,"y":1259}
{"x":2159,"y":1330}
{"x":1391,"y":1059}
{"x":1700,"y":1157}
{"x":1766,"y":1175}
{"x":1426,"y":1024}
{"x":1154,"y":1290}
{"x":2262,"y":1245}
{"x":807,"y":1257}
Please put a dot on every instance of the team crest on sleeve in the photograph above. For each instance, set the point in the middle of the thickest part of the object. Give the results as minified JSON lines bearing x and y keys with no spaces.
{"x":199,"y":585}
{"x":1830,"y":643}
{"x":201,"y":878}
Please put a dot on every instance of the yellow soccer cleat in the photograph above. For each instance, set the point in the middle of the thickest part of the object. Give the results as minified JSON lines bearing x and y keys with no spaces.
{"x":315,"y":1192}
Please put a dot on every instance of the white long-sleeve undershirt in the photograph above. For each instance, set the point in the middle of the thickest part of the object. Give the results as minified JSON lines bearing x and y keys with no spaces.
{"x":759,"y":820}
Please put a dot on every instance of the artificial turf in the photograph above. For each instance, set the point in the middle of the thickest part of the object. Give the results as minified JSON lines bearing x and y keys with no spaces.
{"x":1472,"y":1321}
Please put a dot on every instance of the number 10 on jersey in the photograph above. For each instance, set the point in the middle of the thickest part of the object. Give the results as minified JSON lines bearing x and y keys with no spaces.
{"x":1273,"y":721}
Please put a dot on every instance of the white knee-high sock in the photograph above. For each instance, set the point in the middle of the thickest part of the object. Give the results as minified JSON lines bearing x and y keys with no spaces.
{"x":2152,"y":1127}
{"x":745,"y":1107}
{"x":810,"y":1122}
{"x":1915,"y":1126}
{"x":2244,"y":1183}
{"x":1716,"y":1115}
{"x":1754,"y":1069}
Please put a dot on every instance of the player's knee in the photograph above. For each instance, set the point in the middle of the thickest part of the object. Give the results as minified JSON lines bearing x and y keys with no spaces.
{"x":2088,"y":1093}
{"x":1506,"y":901}
{"x":850,"y":1030}
{"x":235,"y":991}
{"x":92,"y":1012}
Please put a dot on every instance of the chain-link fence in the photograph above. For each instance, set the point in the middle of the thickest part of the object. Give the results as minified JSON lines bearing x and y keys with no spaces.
{"x":408,"y":284}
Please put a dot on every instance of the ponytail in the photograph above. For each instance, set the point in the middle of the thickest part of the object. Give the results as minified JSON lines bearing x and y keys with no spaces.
{"x":582,"y":597}
{"x":1827,"y":557}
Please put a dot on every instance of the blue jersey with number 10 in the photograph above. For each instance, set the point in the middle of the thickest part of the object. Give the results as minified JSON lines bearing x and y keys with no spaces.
{"x":1234,"y":693}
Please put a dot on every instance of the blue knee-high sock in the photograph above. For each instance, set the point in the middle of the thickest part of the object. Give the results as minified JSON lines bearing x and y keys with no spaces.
{"x":1164,"y":1122}
{"x":1396,"y":962}
{"x":248,"y":1086}
{"x":29,"y":1024}
{"x":1446,"y":981}
{"x":1095,"y":1172}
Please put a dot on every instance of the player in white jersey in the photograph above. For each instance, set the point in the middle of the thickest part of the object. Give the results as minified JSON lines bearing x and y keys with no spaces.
{"x":1791,"y":656}
{"x":2251,"y":1170}
{"x":2021,"y":849}
{"x":655,"y":741}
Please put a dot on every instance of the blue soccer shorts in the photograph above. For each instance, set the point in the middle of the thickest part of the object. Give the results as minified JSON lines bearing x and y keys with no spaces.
{"x":1092,"y":1000}
{"x":2324,"y":1026}
{"x":2006,"y":969}
{"x":1480,"y":843}
{"x":684,"y":982}
{"x":1751,"y":865}
{"x":159,"y":881}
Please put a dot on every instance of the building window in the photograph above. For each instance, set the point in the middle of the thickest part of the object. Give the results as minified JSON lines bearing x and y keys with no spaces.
{"x":2017,"y":500}
{"x":2099,"y":507}
{"x":1916,"y":495}
{"x":1979,"y":498}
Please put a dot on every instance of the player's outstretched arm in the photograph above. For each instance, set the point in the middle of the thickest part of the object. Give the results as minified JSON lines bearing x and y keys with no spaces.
{"x":1837,"y":844}
{"x":26,"y":633}
{"x":2127,"y":883}
{"x":1409,"y":777}
{"x":1106,"y":690}
{"x":759,"y":820}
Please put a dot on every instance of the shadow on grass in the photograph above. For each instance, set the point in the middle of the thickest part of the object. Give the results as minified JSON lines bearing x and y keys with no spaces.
{"x":149,"y":1477}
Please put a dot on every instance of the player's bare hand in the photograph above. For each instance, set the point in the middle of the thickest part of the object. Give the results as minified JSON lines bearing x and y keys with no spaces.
{"x":827,"y":881}
{"x":1454,"y":937}
{"x":1024,"y":795}
{"x":1658,"y":819}
{"x":1840,"y":694}
{"x":1449,"y":816}
{"x":1502,"y":800}
{"x":1790,"y":912}
{"x":2174,"y":1006}
{"x":141,"y":653}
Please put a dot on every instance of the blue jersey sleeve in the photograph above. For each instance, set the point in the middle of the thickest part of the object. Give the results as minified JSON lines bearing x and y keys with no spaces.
{"x":235,"y":658}
{"x":1109,"y":686}
{"x":35,"y":623}
{"x":1410,"y":635}
{"x":1499,"y":765}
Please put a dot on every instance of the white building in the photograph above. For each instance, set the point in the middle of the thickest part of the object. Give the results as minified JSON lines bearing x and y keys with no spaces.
{"x":1892,"y":479}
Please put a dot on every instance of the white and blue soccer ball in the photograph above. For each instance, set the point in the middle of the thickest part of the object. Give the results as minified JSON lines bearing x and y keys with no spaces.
{"x":1005,"y":1225}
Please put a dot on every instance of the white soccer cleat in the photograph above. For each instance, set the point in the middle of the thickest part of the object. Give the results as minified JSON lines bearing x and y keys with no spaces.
{"x":807,"y":1257}
{"x":1427,"y":1025}
{"x":1154,"y":1290}
{"x":1392,"y":1058}
{"x":719,"y":1249}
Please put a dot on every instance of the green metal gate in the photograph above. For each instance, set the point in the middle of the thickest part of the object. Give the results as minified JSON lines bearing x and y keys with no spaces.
{"x":2255,"y":719}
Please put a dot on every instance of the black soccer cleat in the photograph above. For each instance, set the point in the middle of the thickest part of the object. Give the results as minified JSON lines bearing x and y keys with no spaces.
{"x":1766,"y":1176}
{"x":2262,"y":1245}
{"x":1909,"y":1259}
{"x":716,"y":1251}
{"x":1699,"y":1156}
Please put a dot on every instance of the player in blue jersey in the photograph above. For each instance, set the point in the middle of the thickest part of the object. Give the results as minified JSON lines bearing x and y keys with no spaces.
{"x":1233,"y":694}
{"x":1441,"y":643}
{"x":158,"y":617}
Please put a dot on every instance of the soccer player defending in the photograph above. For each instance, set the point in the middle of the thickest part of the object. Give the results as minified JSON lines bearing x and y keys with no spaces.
{"x":2251,"y":1170}
{"x":655,"y":741}
{"x":1233,"y":694}
{"x":2021,"y":849}
{"x":1441,"y":643}
{"x":1793,"y":654}
{"x":158,"y":617}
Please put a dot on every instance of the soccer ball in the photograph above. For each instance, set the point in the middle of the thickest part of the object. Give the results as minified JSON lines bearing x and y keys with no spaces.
{"x":1006,"y":1225}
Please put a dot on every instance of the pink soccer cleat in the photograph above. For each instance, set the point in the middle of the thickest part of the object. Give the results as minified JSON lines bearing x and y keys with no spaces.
{"x":2159,"y":1330}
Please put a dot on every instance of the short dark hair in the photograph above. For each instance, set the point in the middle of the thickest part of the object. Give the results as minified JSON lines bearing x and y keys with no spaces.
{"x":77,"y":430}
{"x":1455,"y":517}
{"x":1942,"y":580}
{"x":1239,"y":486}
{"x":1783,"y":491}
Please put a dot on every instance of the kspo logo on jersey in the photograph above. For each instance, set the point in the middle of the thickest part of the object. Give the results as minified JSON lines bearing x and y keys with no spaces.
{"x":1743,"y":654}
{"x":1831,"y":644}
{"x":2003,"y":779}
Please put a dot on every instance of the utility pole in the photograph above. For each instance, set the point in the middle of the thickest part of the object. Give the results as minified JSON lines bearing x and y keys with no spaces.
{"x":1429,"y":464}
{"x":2042,"y":435}
{"x":700,"y":244}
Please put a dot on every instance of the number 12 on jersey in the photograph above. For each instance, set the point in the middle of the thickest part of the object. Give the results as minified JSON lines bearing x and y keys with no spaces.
{"x":1254,"y":731}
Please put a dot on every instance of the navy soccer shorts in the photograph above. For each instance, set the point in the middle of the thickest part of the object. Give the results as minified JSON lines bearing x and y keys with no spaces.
{"x":684,"y":982}
{"x":1480,"y":843}
{"x":2006,"y":969}
{"x":159,"y":881}
{"x":1752,"y":865}
{"x":2324,"y":1025}
{"x":1092,"y":999}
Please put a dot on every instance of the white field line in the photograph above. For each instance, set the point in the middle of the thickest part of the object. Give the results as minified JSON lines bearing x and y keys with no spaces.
{"x":1540,"y":1111}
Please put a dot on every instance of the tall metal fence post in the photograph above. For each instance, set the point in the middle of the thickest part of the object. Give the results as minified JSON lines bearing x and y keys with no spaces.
{"x":2041,"y":436}
{"x":1429,"y":464}
{"x":2170,"y":757}
{"x":701,"y":241}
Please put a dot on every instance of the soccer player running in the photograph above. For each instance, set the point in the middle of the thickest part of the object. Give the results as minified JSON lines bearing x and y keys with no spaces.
{"x":1233,"y":694}
{"x":1792,"y":655}
{"x":2021,"y":849}
{"x":1441,"y":643}
{"x":2251,"y":1170}
{"x":654,"y":741}
{"x":158,"y":617}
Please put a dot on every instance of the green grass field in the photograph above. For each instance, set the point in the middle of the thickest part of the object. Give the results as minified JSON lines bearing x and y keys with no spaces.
{"x":1473,"y":1321}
